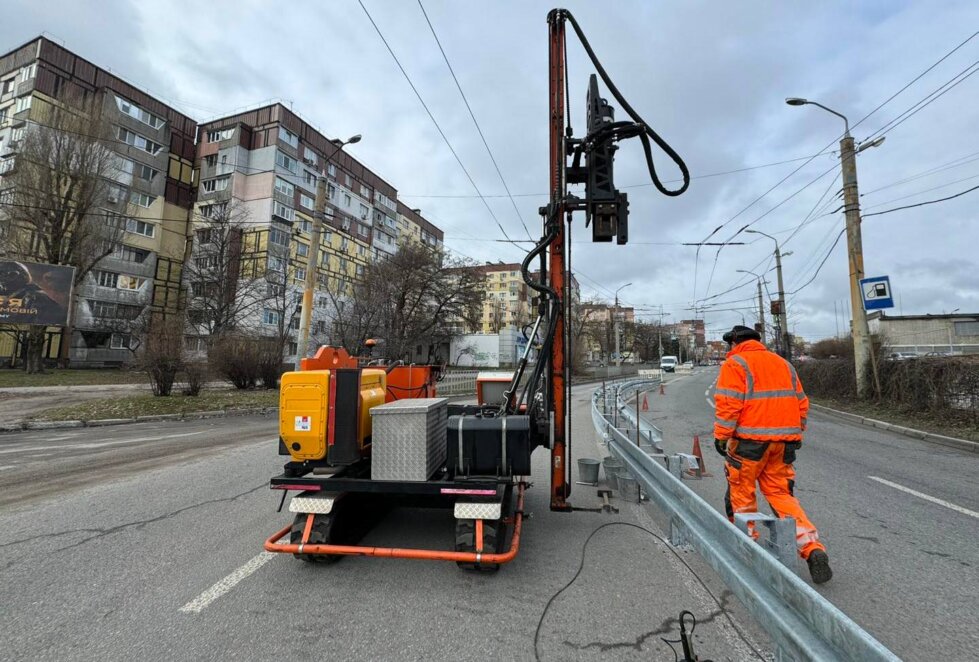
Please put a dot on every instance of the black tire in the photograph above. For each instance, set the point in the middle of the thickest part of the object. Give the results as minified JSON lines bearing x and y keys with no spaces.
{"x":494,"y":536}
{"x":320,"y":534}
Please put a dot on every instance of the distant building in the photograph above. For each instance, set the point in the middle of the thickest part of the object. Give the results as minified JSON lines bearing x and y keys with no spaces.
{"x":920,"y":334}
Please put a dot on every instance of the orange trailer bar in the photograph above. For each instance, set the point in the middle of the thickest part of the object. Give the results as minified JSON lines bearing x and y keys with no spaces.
{"x":272,"y":545}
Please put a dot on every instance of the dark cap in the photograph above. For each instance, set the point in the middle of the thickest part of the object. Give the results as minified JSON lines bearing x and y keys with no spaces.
{"x":740,"y":334}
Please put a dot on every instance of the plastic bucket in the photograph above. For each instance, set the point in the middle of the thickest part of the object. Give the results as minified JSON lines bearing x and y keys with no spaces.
{"x":611,"y":464}
{"x":628,"y":486}
{"x":588,"y":470}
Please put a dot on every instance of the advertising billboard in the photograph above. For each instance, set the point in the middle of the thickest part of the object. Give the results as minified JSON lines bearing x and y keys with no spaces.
{"x":32,"y":293}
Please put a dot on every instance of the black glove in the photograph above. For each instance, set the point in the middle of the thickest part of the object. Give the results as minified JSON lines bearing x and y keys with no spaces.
{"x":721,"y":446}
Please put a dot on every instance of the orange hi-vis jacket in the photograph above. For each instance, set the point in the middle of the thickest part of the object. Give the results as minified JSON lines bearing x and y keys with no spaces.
{"x":759,"y":396}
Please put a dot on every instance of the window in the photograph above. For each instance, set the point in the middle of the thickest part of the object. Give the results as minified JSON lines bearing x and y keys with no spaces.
{"x":294,"y":324}
{"x":360,"y":270}
{"x":206,"y":262}
{"x":365,"y":192}
{"x":125,"y":168}
{"x":306,"y":201}
{"x":279,"y":236}
{"x":138,"y":141}
{"x":345,"y":225}
{"x":344,"y":265}
{"x":145,"y":172}
{"x":106,"y":278}
{"x":362,"y":230}
{"x":130,"y":282}
{"x":130,"y":254}
{"x":309,"y":178}
{"x":322,"y":302}
{"x":276,"y":264}
{"x":332,"y":170}
{"x":302,"y":250}
{"x":283,"y":212}
{"x":305,"y":226}
{"x":293,"y":348}
{"x":140,"y":227}
{"x":288,"y":137}
{"x":346,"y":200}
{"x":344,"y":244}
{"x":270,"y":316}
{"x":205,"y":236}
{"x":361,"y":250}
{"x":28,"y":72}
{"x":364,"y":212}
{"x":216,"y":184}
{"x":218,"y":136}
{"x":23,"y":103}
{"x":284,"y":187}
{"x":287,"y":162}
{"x":17,"y":134}
{"x":143,"y":116}
{"x":6,"y":165}
{"x":213,"y":211}
{"x":388,"y":221}
{"x":141,"y":199}
{"x":110,"y":310}
{"x":331,"y":191}
{"x":300,"y":275}
{"x":7,"y":86}
{"x":120,"y":341}
{"x":967,"y":328}
{"x":348,"y":181}
{"x":308,"y":154}
{"x":211,"y":160}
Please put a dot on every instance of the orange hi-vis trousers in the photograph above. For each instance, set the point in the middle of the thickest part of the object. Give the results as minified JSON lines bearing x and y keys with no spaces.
{"x":770,"y":464}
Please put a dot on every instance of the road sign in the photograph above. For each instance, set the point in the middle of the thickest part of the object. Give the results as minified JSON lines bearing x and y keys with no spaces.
{"x":877,"y":293}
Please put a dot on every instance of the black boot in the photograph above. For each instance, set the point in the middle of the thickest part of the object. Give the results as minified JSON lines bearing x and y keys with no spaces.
{"x":819,"y":568}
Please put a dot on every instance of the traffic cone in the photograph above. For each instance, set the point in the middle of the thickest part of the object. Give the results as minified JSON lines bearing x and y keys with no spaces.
{"x":701,"y":471}
{"x":645,"y":403}
{"x":661,"y":390}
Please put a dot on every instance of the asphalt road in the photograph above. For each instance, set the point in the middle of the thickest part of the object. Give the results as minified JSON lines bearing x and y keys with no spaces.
{"x":144,"y":542}
{"x":900,"y":519}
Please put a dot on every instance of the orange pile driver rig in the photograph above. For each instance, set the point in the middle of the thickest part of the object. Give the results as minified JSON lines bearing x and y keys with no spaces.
{"x":365,"y":438}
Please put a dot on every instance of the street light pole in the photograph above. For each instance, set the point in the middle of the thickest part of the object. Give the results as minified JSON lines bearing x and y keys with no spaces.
{"x":312,"y":261}
{"x":618,"y":355}
{"x":761,"y":304}
{"x":862,"y":350}
{"x":783,"y":326}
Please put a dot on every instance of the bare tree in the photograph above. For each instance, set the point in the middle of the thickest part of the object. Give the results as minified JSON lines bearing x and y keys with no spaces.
{"x":61,"y":189}
{"x":410,"y":298}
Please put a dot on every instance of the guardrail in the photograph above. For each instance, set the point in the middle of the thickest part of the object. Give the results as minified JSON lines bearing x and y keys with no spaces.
{"x":803,"y":624}
{"x":457,"y":382}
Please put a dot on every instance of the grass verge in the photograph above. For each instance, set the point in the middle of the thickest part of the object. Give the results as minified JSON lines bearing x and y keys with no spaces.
{"x":14,"y":377}
{"x":882,"y":412}
{"x":146,"y":405}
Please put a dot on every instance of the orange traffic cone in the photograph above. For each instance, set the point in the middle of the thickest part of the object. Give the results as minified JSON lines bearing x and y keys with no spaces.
{"x":701,"y":470}
{"x":661,"y":391}
{"x":645,"y":403}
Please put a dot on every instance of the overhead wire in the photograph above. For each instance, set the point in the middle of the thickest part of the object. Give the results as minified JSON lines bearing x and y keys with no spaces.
{"x":432,"y":117}
{"x":475,"y":122}
{"x":922,"y":204}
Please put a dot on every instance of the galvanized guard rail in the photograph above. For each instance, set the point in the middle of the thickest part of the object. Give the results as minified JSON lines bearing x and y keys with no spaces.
{"x":803,"y":624}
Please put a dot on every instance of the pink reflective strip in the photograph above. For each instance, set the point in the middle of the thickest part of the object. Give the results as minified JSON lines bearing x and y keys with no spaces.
{"x":307,"y":488}
{"x":455,"y":490}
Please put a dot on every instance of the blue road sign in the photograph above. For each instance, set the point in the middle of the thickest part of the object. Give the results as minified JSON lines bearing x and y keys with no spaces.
{"x":877,"y":293}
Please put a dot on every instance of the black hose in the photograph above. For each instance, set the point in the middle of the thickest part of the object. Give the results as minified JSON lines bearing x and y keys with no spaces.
{"x":648,"y":131}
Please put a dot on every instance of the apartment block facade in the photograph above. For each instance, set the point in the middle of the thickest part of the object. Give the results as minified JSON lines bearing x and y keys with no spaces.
{"x":150,"y":199}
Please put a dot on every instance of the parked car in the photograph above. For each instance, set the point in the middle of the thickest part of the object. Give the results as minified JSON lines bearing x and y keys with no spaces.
{"x":901,"y":356}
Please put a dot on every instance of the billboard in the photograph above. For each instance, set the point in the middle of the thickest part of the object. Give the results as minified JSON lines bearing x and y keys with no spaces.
{"x":32,"y":293}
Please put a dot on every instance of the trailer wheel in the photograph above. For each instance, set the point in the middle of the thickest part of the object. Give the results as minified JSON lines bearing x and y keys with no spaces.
{"x":320,"y":534}
{"x":493,"y":535}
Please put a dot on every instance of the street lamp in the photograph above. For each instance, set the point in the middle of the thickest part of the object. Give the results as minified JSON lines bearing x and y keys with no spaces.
{"x":862,"y":350}
{"x":618,"y":355}
{"x":312,"y":263}
{"x":782,"y":316}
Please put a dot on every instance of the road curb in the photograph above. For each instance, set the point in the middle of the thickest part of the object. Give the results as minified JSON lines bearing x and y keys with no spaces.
{"x":954,"y":442}
{"x":19,"y":426}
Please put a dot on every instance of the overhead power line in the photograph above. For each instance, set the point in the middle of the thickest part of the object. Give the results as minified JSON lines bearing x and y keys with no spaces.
{"x":473,"y":116}
{"x":432,"y":117}
{"x":921,"y":204}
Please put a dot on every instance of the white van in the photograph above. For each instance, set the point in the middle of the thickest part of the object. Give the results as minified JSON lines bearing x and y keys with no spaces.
{"x":668,"y":363}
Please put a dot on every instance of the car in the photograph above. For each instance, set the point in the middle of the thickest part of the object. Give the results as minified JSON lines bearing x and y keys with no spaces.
{"x":901,"y":356}
{"x":668,"y":363}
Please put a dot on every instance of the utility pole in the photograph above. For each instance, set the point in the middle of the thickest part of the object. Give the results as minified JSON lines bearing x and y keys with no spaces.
{"x":783,"y":320}
{"x":761,"y":312}
{"x":862,"y":350}
{"x":312,"y":261}
{"x":616,"y":316}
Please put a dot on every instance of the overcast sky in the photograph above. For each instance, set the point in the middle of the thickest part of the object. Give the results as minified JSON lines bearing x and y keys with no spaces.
{"x":710,"y":77}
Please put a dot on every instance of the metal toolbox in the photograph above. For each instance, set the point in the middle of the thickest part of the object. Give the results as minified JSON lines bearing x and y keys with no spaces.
{"x":408,"y":441}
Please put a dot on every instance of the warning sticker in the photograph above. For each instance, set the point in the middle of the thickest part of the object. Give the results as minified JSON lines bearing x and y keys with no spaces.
{"x":303,"y":424}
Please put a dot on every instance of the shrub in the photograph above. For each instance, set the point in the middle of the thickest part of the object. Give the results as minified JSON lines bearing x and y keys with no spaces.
{"x":162,"y":355}
{"x":236,"y":359}
{"x":196,"y":373}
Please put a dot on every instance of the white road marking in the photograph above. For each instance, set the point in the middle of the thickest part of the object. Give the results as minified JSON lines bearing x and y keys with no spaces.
{"x":221,"y":587}
{"x":927,"y":497}
{"x":48,"y":447}
{"x":8,"y":466}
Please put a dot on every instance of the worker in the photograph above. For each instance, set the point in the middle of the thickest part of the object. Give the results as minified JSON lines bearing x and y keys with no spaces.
{"x":760,"y":410}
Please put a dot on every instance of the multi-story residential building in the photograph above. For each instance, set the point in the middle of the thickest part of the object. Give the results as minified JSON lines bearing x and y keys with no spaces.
{"x":413,"y":227}
{"x":150,"y":199}
{"x":598,"y":333}
{"x":267,"y":162}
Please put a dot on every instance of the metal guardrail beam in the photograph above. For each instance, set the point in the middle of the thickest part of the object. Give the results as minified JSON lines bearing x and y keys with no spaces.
{"x":803,"y":624}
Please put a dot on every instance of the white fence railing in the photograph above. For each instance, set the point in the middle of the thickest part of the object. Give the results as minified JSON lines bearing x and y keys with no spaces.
{"x":457,"y":382}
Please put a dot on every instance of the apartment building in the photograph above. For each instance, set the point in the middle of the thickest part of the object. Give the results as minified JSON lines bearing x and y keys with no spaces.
{"x":414,"y":228}
{"x":266,"y":163}
{"x":598,"y":333}
{"x":150,"y":199}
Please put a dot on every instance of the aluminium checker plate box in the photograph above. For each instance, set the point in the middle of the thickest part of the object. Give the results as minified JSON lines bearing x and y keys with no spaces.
{"x":408,"y":439}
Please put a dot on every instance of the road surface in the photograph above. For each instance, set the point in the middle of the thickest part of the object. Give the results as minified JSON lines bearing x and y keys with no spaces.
{"x":899,"y":516}
{"x":144,"y":542}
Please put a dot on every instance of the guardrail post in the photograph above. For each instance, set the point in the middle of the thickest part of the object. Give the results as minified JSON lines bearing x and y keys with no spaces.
{"x":780,"y":540}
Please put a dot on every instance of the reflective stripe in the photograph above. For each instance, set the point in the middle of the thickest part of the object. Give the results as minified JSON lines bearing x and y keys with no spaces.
{"x":769,"y":431}
{"x":761,"y":395}
{"x":749,"y":378}
{"x":800,"y":395}
{"x":795,"y":378}
{"x":725,"y":423}
{"x":731,"y":393}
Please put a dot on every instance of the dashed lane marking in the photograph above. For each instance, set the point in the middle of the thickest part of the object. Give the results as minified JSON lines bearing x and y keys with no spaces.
{"x":48,"y":447}
{"x":927,"y":497}
{"x":198,"y":604}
